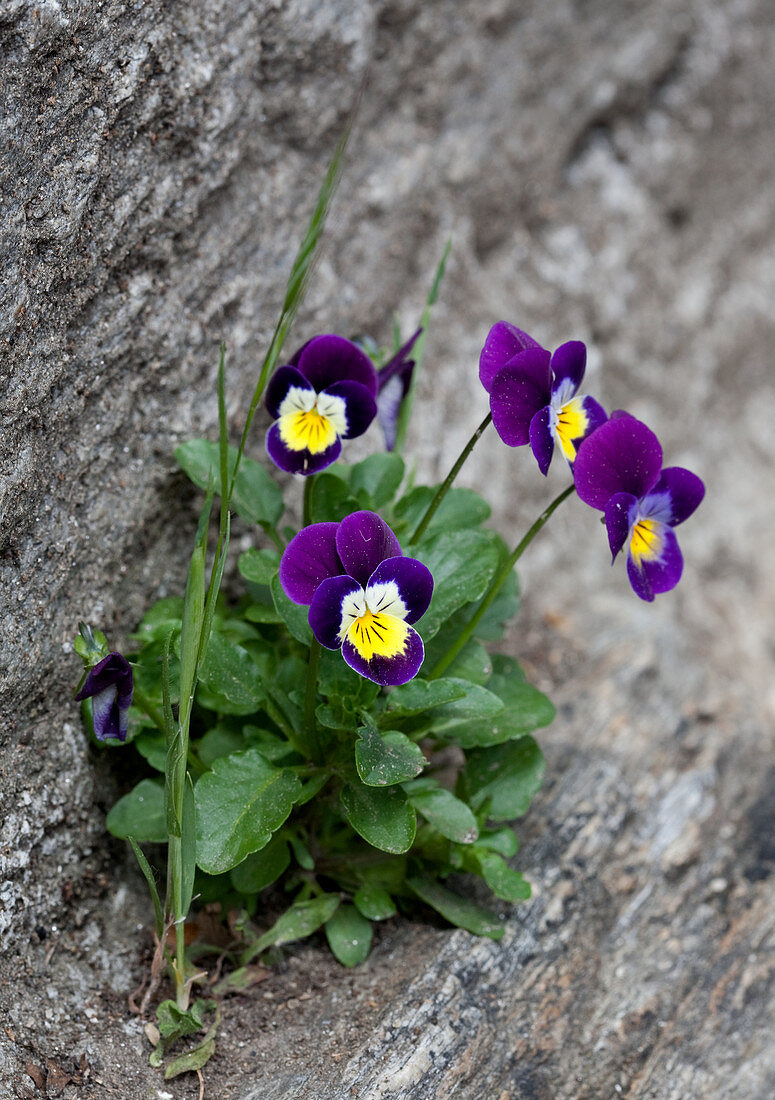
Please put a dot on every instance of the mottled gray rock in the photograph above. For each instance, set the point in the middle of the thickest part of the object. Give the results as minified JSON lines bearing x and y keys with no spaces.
{"x":605,"y":171}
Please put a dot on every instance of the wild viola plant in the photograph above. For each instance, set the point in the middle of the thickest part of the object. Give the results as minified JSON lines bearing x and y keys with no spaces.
{"x":338,"y":729}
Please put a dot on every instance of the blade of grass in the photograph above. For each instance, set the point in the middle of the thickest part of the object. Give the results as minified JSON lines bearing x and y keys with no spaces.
{"x":405,"y":413}
{"x":145,"y":867}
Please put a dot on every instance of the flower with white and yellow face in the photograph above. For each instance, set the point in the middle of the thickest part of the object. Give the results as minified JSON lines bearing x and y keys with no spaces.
{"x":327,"y":393}
{"x":533,"y":394}
{"x":363,"y":594}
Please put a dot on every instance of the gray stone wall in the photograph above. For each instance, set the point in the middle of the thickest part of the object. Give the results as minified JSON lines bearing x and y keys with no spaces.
{"x":605,"y":171}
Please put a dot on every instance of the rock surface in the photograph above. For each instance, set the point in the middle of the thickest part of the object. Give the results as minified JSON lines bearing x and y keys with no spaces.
{"x":605,"y":172}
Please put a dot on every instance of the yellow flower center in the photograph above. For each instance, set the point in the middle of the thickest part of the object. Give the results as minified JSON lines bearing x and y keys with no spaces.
{"x":645,"y":541}
{"x":311,"y":421}
{"x":570,"y":424}
{"x":378,"y":635}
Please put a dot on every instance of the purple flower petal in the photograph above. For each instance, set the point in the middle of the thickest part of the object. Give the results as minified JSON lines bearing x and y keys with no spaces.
{"x":503,"y":342}
{"x":518,"y":392}
{"x":361,"y":408}
{"x":325,"y":612}
{"x":568,"y":365}
{"x":299,"y":462}
{"x":542,"y":439}
{"x":652,"y":577}
{"x":621,"y":456}
{"x":110,"y":687}
{"x":413,"y":580}
{"x":279,"y":384}
{"x":363,"y":540}
{"x":388,"y":671}
{"x":328,"y":359}
{"x":620,"y":512}
{"x":308,"y":559}
{"x":393,"y":381}
{"x":685,"y":491}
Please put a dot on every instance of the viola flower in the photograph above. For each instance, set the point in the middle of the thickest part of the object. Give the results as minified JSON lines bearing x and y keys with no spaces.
{"x":533,"y":394}
{"x":393,"y":381}
{"x":363,"y":594}
{"x":619,"y":471}
{"x":109,"y":685}
{"x":326,"y":393}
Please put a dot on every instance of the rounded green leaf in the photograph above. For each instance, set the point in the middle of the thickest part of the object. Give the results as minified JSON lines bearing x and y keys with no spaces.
{"x":374,"y":902}
{"x":462,"y":564}
{"x":257,"y":497}
{"x":301,"y":920}
{"x":388,"y":758}
{"x":140,"y":814}
{"x":294,"y":615}
{"x":259,"y":566}
{"x":447,"y":814}
{"x":378,"y":477}
{"x":381,"y":815}
{"x":262,"y":868}
{"x":459,"y":911}
{"x":508,"y":775}
{"x":349,"y":935}
{"x":231,"y":677}
{"x":240,"y":803}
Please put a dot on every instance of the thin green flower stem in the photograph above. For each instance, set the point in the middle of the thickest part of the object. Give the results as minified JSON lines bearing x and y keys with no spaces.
{"x":446,"y":484}
{"x":306,"y":519}
{"x":310,"y":697}
{"x":497,"y":584}
{"x":142,"y":702}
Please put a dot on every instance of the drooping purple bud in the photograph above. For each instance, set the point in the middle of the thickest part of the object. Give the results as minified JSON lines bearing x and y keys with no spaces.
{"x":109,"y":685}
{"x":393,"y":381}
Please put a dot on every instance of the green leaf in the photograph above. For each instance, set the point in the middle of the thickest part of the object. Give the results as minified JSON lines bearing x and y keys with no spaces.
{"x":192,"y":1060}
{"x":219,"y":742}
{"x":447,"y":814}
{"x":190,"y":636}
{"x":337,"y":679}
{"x":525,"y":709}
{"x":504,"y":883}
{"x":152,"y":746}
{"x":382,"y":816}
{"x":294,"y":615}
{"x":508,"y":775}
{"x":385,"y":759}
{"x":301,"y":920}
{"x":503,"y":841}
{"x":140,"y":814}
{"x":240,"y":803}
{"x":420,"y":695}
{"x":188,"y":847}
{"x":474,"y":702}
{"x":460,"y":510}
{"x":145,"y":867}
{"x":330,"y":499}
{"x":378,"y":477}
{"x":349,"y":935}
{"x":175,"y":1022}
{"x":256,"y":497}
{"x":472,"y":663}
{"x":313,"y":786}
{"x":374,"y":902}
{"x":231,"y":677}
{"x":459,"y":911}
{"x":462,"y":564}
{"x":164,"y":616}
{"x":262,"y":868}
{"x":259,"y":566}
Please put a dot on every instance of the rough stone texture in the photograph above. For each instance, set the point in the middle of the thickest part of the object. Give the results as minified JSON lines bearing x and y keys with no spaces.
{"x":605,"y":171}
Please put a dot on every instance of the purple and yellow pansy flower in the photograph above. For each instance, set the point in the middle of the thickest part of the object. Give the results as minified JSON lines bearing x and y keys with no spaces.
{"x":533,"y":394}
{"x":363,"y":594}
{"x":619,"y":471}
{"x":326,"y":393}
{"x":110,"y":686}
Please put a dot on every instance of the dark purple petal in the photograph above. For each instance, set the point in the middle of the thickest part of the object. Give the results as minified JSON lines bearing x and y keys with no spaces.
{"x":363,"y":540}
{"x":542,"y":439}
{"x":361,"y":408}
{"x":518,"y":392}
{"x":661,"y":575}
{"x":568,"y":365}
{"x":110,"y":686}
{"x":684,"y":489}
{"x":503,"y":342}
{"x":414,"y":582}
{"x":299,"y":462}
{"x":400,"y":365}
{"x":328,"y":359}
{"x":279,"y":384}
{"x":621,"y":456}
{"x":308,"y":559}
{"x":620,"y":513}
{"x":394,"y":380}
{"x":325,"y":612}
{"x":388,"y":671}
{"x":596,"y":415}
